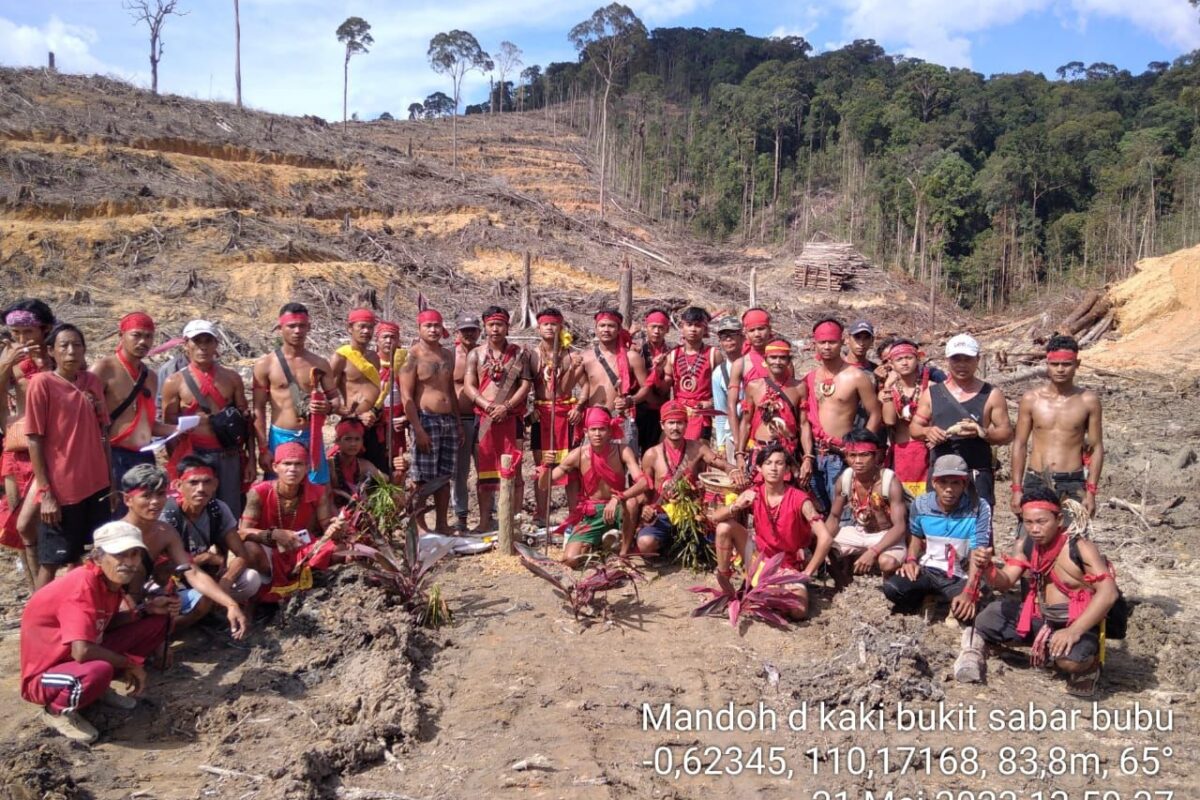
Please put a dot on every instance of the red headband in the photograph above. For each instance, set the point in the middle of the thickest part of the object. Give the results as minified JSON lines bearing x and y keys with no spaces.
{"x":672,"y":409}
{"x":1045,"y":505}
{"x":137,"y":321}
{"x":499,"y":316}
{"x":291,"y":451}
{"x":197,"y":471}
{"x":291,"y":317}
{"x":1061,"y":355}
{"x":428,"y":316}
{"x":609,"y":316}
{"x":349,"y":425}
{"x":362,"y":315}
{"x":779,"y":348}
{"x":599,"y":417}
{"x":549,"y":317}
{"x":387,"y":327}
{"x":860,"y":447}
{"x":901,"y":350}
{"x":827,"y":332}
{"x":755,"y":318}
{"x":657,"y":318}
{"x":136,"y":491}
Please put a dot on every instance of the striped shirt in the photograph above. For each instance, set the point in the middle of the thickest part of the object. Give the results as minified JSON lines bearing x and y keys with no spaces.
{"x":950,"y":537}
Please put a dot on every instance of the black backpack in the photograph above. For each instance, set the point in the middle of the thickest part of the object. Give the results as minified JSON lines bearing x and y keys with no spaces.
{"x":172,"y":514}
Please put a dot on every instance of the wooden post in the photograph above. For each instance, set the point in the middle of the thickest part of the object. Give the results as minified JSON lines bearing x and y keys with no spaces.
{"x":51,"y":62}
{"x":625,"y":292}
{"x":506,"y":507}
{"x":525,"y":312}
{"x":754,"y":287}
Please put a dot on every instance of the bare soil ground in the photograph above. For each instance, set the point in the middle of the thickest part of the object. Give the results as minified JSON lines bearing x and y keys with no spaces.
{"x":114,"y":200}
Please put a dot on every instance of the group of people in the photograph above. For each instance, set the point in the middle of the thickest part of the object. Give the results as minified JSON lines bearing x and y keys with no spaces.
{"x":853,"y":468}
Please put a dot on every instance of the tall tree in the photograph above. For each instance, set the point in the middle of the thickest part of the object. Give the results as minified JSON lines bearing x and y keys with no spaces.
{"x":608,"y":40}
{"x":154,"y":13}
{"x":355,"y":33}
{"x":237,"y":52}
{"x":438,"y":104}
{"x":507,"y":60}
{"x":415,"y":110}
{"x":530,"y":77}
{"x":455,"y":54}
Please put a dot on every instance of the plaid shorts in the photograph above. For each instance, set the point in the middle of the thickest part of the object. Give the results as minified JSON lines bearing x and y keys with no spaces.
{"x":443,"y":447}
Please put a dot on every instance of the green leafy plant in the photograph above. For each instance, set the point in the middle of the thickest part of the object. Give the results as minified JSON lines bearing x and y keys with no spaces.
{"x":766,"y":599}
{"x":692,"y":548}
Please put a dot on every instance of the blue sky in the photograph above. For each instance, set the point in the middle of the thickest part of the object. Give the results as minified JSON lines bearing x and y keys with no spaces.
{"x":291,"y":60}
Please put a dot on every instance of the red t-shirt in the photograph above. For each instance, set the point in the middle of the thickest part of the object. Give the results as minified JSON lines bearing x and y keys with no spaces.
{"x":74,"y":608}
{"x":782,"y":529}
{"x":69,"y":418}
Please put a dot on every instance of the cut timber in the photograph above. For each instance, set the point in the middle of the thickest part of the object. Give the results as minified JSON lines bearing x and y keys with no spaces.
{"x":625,"y":292}
{"x":507,"y":522}
{"x":1085,"y":305}
{"x":525,"y":318}
{"x":1022,"y":374}
{"x":1099,"y":329}
{"x":1093,"y":315}
{"x":829,"y":266}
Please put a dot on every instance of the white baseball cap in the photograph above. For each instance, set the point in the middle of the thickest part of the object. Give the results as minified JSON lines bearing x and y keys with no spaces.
{"x":962,"y":345}
{"x":198,"y":327}
{"x":117,"y":537}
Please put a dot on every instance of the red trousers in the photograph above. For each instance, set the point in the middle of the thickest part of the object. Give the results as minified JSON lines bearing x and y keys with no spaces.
{"x":73,"y":685}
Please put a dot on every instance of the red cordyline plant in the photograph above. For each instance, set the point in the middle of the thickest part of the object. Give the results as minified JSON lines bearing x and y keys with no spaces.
{"x":586,"y":596}
{"x":767,"y":600}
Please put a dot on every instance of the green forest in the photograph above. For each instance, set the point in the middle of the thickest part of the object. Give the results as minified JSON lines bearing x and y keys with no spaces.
{"x":994,"y":187}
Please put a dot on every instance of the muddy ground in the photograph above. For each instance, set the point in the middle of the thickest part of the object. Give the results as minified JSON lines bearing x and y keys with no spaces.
{"x":341,"y":697}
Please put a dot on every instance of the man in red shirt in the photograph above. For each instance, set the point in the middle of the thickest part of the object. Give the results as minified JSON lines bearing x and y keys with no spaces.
{"x":75,"y":639}
{"x":65,"y":422}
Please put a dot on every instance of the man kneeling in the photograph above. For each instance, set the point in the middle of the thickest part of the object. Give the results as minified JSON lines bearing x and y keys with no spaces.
{"x":75,"y":639}
{"x":1070,"y":594}
{"x":785,"y":521}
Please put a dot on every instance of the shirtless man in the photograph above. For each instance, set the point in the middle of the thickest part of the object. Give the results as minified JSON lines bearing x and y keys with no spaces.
{"x":29,"y":322}
{"x":730,"y":339}
{"x":875,"y":535}
{"x":497,"y":385}
{"x":977,"y":408}
{"x":898,"y":400}
{"x":204,"y":388}
{"x":293,"y":401}
{"x":131,"y":406}
{"x":775,"y":410}
{"x":388,"y":408}
{"x":1070,"y":593}
{"x":555,"y":430}
{"x":654,"y":352}
{"x":431,"y":406}
{"x":469,"y":328}
{"x":612,"y":372}
{"x":603,"y":465}
{"x":356,"y":369}
{"x":688,"y":370}
{"x":756,"y":328}
{"x":674,"y":457}
{"x":144,"y":489}
{"x":839,"y":394}
{"x":1067,"y":428}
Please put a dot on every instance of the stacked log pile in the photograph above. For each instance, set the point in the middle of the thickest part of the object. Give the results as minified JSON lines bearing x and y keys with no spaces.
{"x":829,"y":266}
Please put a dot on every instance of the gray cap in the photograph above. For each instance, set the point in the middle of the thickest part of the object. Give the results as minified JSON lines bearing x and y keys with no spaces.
{"x":727,"y":323}
{"x":467,"y":321}
{"x":862,"y":326}
{"x":950,"y":466}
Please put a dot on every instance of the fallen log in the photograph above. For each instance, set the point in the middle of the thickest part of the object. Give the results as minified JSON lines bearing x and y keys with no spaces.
{"x":1094,"y":315}
{"x":1022,"y":374}
{"x":1099,"y":329}
{"x":1085,"y":305}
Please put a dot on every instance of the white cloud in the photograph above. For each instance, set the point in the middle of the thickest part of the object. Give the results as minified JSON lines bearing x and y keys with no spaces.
{"x":941,"y":30}
{"x":811,"y":18}
{"x":27,"y":46}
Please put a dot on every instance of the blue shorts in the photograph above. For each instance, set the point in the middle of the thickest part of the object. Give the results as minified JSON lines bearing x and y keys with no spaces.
{"x":278,"y":436}
{"x":661,"y":529}
{"x":188,"y":599}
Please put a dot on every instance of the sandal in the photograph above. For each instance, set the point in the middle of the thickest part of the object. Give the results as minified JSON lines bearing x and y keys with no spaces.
{"x":1084,"y":684}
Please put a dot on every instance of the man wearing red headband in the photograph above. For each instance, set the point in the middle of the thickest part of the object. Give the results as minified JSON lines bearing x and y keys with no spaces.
{"x":688,"y":370}
{"x":356,"y":369}
{"x":774,"y":411}
{"x":874,"y":536}
{"x":654,"y":351}
{"x":1065,"y":421}
{"x":29,"y":322}
{"x":431,"y":406}
{"x":606,"y":504}
{"x":841,"y":397}
{"x":556,"y":427}
{"x":297,"y":384}
{"x":1071,"y":592}
{"x":129,"y":392}
{"x":466,"y":337}
{"x":613,"y":372}
{"x":898,"y":399}
{"x":756,"y":328}
{"x":348,"y":470}
{"x":208,"y":529}
{"x":205,"y":389}
{"x":283,"y":525}
{"x":497,"y":384}
{"x":786,"y":521}
{"x":389,"y":412}
{"x":672,"y":459}
{"x":964,"y":416}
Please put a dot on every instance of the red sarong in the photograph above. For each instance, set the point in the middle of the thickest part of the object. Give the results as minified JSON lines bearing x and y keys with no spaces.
{"x":15,"y":464}
{"x":498,"y":439}
{"x":910,"y":461}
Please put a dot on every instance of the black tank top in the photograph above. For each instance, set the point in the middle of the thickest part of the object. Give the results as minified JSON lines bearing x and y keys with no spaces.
{"x":946,"y":411}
